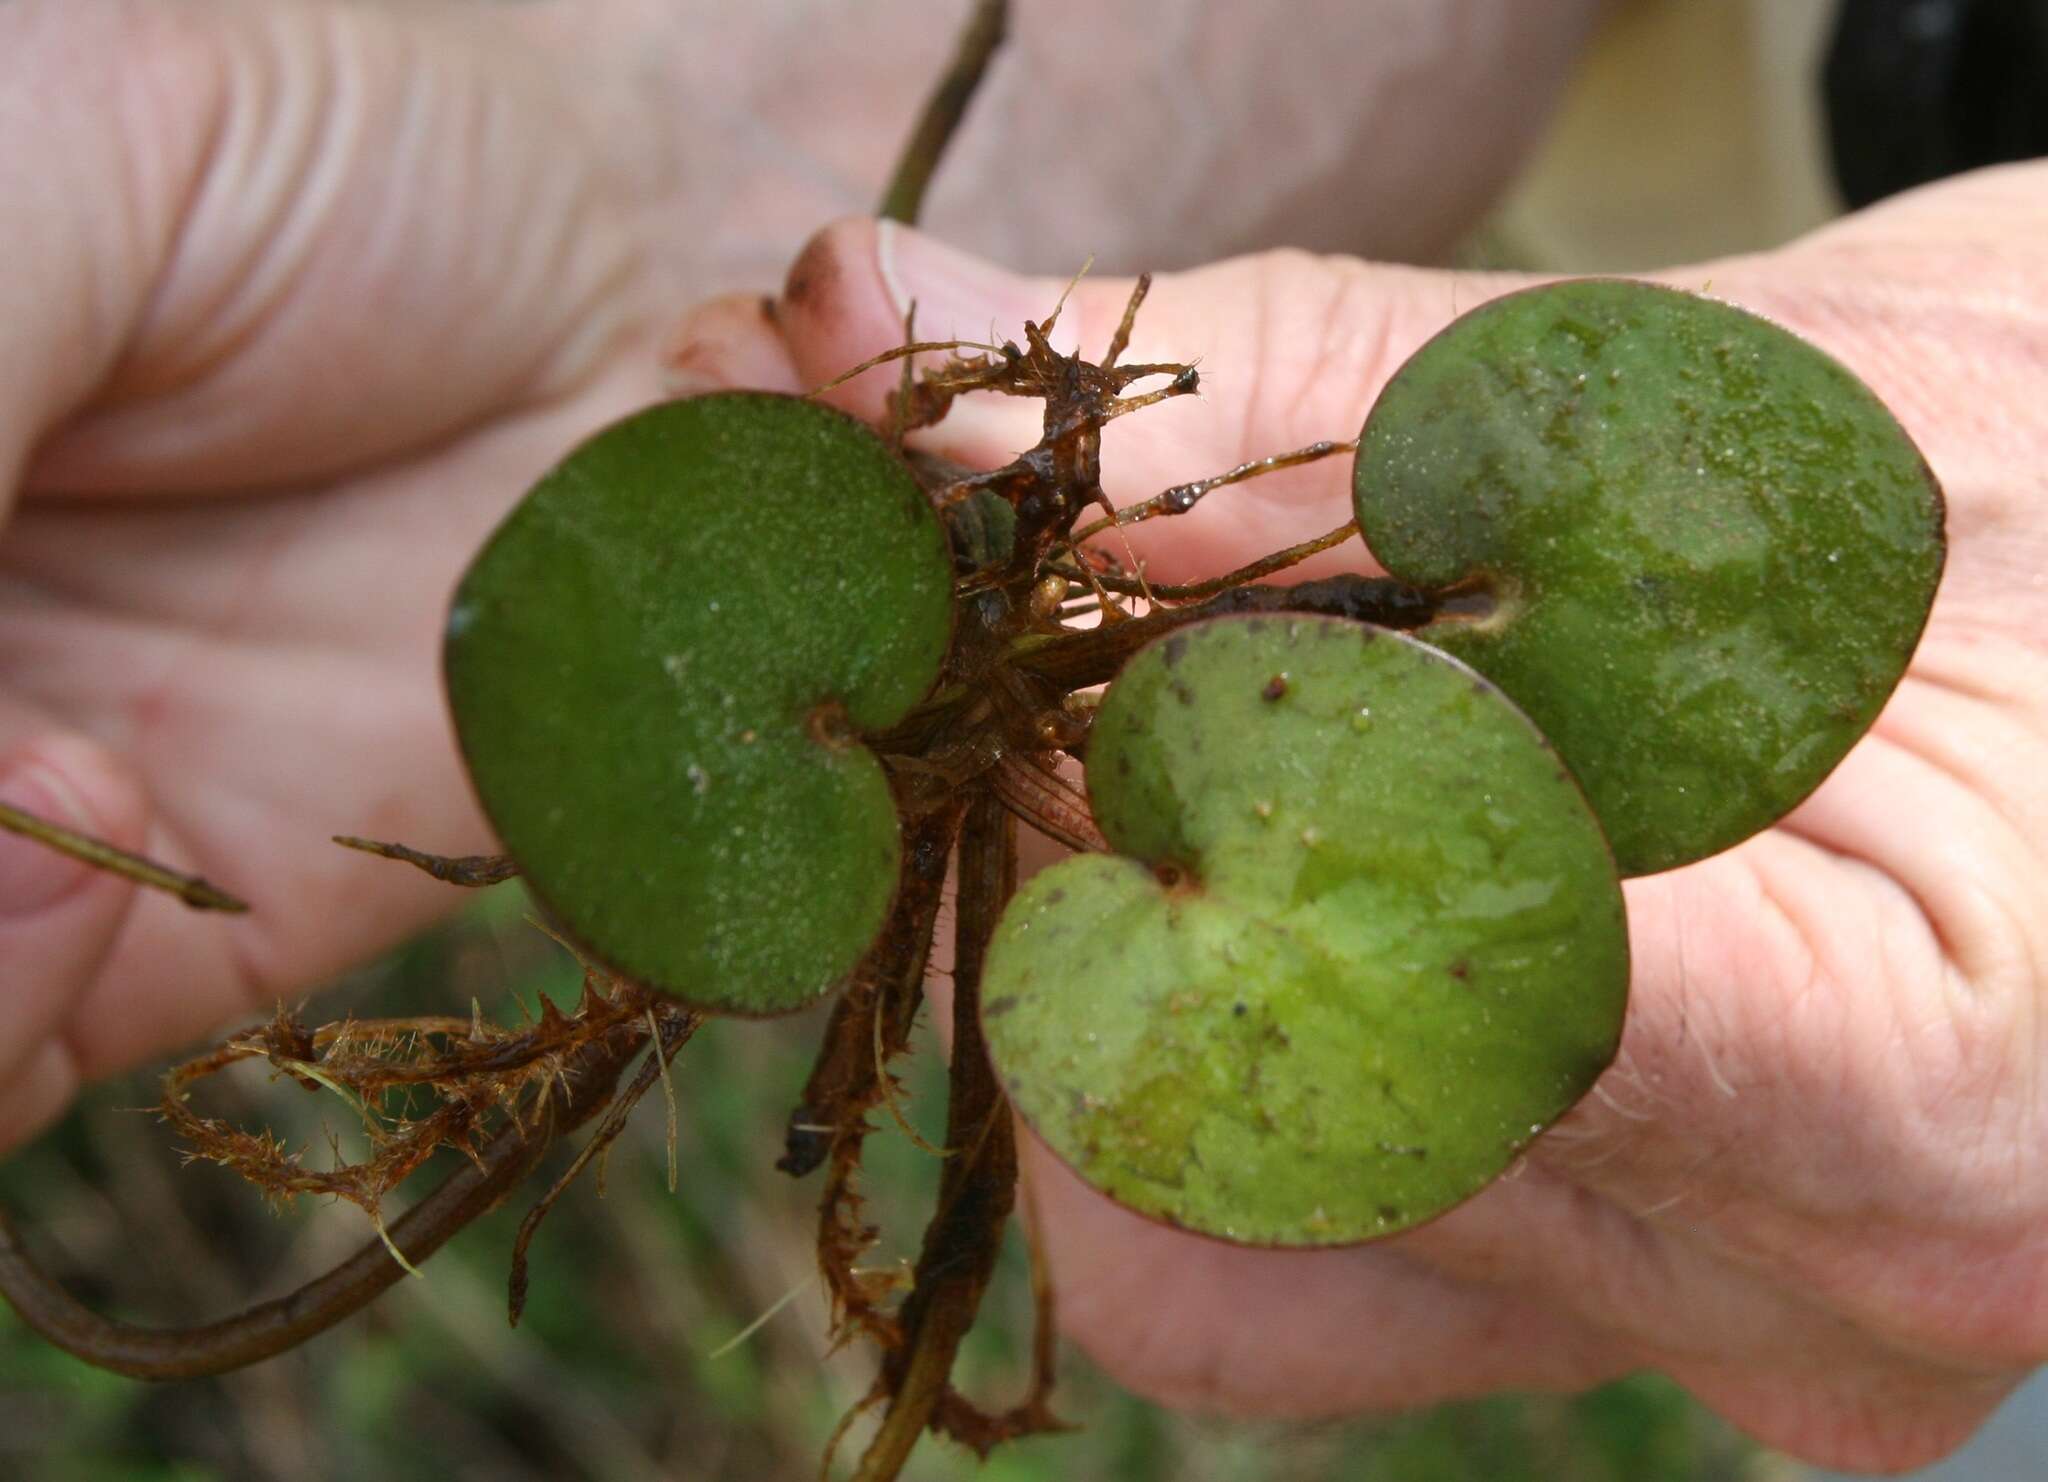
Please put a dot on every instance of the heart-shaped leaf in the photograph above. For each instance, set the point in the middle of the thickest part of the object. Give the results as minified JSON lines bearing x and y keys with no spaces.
{"x":1363,"y":943}
{"x":1699,"y":551}
{"x":659,"y":666}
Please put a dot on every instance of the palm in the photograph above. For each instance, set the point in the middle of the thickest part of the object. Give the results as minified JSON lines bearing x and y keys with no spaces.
{"x":372,"y":268}
{"x":232,"y":552}
{"x":1826,"y":1104}
{"x":267,"y":668}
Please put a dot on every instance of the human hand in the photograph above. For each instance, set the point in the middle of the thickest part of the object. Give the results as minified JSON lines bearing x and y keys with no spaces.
{"x":367,"y":273}
{"x":1814,"y":1185}
{"x":370,"y":269}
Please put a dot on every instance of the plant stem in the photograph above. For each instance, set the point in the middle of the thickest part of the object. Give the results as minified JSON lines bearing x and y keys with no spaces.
{"x":1182,"y":498}
{"x":272,"y":1328}
{"x":193,"y":891}
{"x":472,"y":870}
{"x":978,"y":1187}
{"x":1280,"y":560}
{"x":979,"y":39}
{"x":877,"y":1009}
{"x":1094,"y":655}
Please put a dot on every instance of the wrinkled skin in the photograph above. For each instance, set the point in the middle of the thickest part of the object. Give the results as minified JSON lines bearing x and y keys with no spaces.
{"x":371,"y":268}
{"x":1815,"y":1186}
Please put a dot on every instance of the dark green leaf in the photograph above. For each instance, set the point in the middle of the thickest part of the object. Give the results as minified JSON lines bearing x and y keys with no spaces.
{"x":658,"y":666}
{"x":1707,"y":550}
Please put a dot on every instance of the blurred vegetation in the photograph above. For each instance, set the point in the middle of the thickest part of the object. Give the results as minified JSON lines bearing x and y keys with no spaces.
{"x":615,"y":1375}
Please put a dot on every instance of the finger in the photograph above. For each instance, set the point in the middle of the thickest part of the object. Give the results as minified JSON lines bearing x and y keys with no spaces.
{"x":731,"y":341}
{"x":58,"y":916}
{"x":1292,"y":349}
{"x":1533,"y":1283}
{"x":790,"y":114}
{"x":1203,"y":1324}
{"x":1773,"y":985}
{"x":226,"y":279}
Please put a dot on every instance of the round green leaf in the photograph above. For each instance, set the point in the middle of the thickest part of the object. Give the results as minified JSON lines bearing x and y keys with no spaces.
{"x":1699,"y":551}
{"x":657,"y":667}
{"x":1363,"y":942}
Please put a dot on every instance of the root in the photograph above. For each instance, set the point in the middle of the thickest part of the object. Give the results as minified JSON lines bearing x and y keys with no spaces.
{"x":468,"y":869}
{"x":870,"y":1025}
{"x":479,"y":1073}
{"x":1182,"y":498}
{"x":978,"y":1185}
{"x":271,"y":1328}
{"x":671,"y":1030}
{"x":982,"y":1432}
{"x":503,"y":1096}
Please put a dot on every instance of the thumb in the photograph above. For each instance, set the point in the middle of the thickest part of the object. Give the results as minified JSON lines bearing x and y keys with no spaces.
{"x":1292,"y":349}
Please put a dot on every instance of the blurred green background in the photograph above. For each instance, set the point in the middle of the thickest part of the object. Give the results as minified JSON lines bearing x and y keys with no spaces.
{"x":613,"y":1377}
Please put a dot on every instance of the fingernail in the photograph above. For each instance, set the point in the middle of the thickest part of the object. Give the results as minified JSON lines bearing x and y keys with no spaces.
{"x":33,"y":876}
{"x":960,"y":296}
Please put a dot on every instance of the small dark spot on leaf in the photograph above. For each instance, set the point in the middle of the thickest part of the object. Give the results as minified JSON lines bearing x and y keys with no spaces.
{"x":1176,"y":646}
{"x":1276,"y":687}
{"x":1389,"y":1213}
{"x":1239,"y":1010}
{"x":1461,"y":969}
{"x":1054,"y":896}
{"x":995,"y":1008}
{"x":1182,"y":693}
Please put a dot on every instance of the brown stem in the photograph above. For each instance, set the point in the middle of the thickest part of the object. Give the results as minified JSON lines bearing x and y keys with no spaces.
{"x":271,"y":1328}
{"x":880,"y":1003}
{"x":473,"y":870}
{"x":978,"y":1187}
{"x":1121,"y":340}
{"x":1278,"y":561}
{"x":672,"y":1032}
{"x":979,"y":39}
{"x":1183,"y":497}
{"x":1094,"y":655}
{"x":193,"y":891}
{"x":905,"y":352}
{"x":1033,"y":1415}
